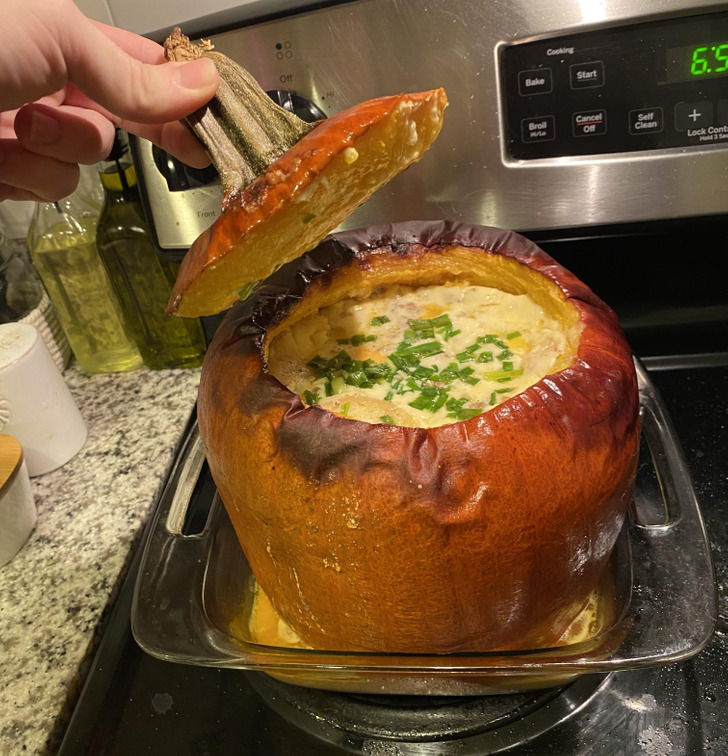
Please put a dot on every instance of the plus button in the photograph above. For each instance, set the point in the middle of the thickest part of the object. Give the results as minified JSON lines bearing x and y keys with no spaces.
{"x":690,"y":116}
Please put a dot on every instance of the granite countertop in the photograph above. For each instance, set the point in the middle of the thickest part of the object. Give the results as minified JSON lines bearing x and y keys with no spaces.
{"x":56,"y":593}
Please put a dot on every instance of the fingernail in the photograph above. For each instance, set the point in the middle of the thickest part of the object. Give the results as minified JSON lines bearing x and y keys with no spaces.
{"x":44,"y":128}
{"x":196,"y":74}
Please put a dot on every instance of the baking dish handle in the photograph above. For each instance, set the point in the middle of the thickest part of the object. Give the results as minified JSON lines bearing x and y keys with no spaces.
{"x":662,"y":486}
{"x":179,"y":628}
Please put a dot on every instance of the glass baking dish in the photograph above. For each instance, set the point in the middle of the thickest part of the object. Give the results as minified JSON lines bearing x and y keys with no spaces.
{"x":657,"y":602}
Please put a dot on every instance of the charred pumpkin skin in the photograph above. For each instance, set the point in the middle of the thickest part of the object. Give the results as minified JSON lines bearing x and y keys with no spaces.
{"x":484,"y":534}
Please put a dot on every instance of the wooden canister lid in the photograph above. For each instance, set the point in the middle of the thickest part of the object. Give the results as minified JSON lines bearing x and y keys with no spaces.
{"x":11,"y":458}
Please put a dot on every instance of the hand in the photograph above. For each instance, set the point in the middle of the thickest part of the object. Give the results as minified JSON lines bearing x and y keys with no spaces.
{"x":66,"y":81}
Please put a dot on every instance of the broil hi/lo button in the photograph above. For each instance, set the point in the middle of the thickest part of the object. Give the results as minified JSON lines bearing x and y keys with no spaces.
{"x":539,"y":129}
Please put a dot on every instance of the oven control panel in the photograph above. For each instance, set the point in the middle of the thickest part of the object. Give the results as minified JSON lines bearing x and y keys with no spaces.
{"x":650,"y":86}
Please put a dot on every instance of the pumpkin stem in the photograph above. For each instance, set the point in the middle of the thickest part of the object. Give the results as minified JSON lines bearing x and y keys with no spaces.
{"x":242,"y":128}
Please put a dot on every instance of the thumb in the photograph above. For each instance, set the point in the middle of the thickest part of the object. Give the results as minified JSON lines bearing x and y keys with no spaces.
{"x":124,"y":74}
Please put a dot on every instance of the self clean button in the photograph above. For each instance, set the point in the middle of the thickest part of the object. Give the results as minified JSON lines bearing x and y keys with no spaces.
{"x":587,"y":75}
{"x":536,"y":81}
{"x":645,"y":121}
{"x":541,"y":129}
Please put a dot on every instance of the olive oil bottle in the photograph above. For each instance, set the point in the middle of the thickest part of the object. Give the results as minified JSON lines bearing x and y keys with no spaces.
{"x":141,"y":276}
{"x":62,"y":247}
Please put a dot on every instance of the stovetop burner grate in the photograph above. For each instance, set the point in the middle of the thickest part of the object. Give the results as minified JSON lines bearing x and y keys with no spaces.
{"x":483,"y":722}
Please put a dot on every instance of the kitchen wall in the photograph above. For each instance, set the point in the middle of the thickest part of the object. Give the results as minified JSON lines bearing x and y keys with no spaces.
{"x":154,"y":18}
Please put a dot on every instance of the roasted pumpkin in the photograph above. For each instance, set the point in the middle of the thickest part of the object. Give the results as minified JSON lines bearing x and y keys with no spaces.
{"x":486,"y":531}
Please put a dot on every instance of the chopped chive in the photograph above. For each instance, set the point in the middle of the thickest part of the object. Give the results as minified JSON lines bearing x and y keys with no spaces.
{"x":424,"y":372}
{"x":310,"y":397}
{"x":328,"y":388}
{"x":345,"y":408}
{"x":485,"y":357}
{"x":494,"y":394}
{"x":426,"y":349}
{"x":396,"y":361}
{"x":379,"y":320}
{"x":430,"y":399}
{"x":422,"y":402}
{"x":512,"y":335}
{"x":387,"y":420}
{"x":466,"y":414}
{"x":424,"y":329}
{"x":441,"y":399}
{"x":441,"y":320}
{"x":356,"y":378}
{"x":499,"y":375}
{"x":507,"y":366}
{"x":357,"y":339}
{"x":468,"y":353}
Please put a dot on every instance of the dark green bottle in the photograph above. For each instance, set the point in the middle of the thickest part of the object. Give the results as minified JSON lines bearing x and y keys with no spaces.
{"x":141,"y":276}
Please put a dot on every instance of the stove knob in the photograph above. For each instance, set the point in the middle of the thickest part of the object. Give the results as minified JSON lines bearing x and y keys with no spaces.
{"x":305,"y":109}
{"x":178,"y":175}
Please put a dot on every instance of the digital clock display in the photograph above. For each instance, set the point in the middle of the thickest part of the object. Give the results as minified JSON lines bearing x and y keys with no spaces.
{"x":701,"y":60}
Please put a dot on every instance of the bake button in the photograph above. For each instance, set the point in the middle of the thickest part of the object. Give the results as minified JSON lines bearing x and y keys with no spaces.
{"x":722,"y":112}
{"x":645,"y":121}
{"x":693,"y":115}
{"x":591,"y":123}
{"x":535,"y":81}
{"x":541,"y":129}
{"x":586,"y":75}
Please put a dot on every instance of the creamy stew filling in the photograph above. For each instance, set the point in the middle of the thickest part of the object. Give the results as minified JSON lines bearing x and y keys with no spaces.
{"x":419,"y":356}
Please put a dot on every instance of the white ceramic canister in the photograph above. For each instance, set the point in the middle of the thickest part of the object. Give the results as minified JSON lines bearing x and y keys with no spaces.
{"x":17,"y":507}
{"x":36,"y":406}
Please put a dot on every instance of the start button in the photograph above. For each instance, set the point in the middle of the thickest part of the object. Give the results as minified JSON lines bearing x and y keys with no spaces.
{"x":587,"y":75}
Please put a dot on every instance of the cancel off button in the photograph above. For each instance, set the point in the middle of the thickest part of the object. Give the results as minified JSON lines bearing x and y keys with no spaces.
{"x":645,"y":121}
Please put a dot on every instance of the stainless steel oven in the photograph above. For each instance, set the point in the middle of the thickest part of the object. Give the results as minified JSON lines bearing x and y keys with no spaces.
{"x":600,"y":130}
{"x":563,"y":114}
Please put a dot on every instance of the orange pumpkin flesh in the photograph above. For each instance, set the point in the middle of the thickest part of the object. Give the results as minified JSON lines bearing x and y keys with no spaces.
{"x":304,"y":195}
{"x":483,"y":534}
